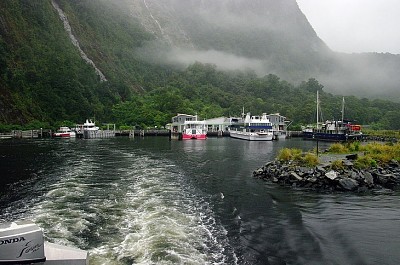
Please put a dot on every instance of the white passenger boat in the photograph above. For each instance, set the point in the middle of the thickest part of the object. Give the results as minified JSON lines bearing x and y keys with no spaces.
{"x":254,"y":128}
{"x":64,"y":132}
{"x":89,"y":125}
{"x":194,"y":130}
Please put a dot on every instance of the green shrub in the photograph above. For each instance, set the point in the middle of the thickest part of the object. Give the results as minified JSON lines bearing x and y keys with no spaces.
{"x":354,"y":146}
{"x":297,"y":154}
{"x":287,"y":154}
{"x":338,"y":148}
{"x":310,"y":160}
{"x":365,"y":161}
{"x":337,"y":165}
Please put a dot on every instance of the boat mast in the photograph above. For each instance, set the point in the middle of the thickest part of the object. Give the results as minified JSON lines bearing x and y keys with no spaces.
{"x":342,"y":110}
{"x":317,"y":110}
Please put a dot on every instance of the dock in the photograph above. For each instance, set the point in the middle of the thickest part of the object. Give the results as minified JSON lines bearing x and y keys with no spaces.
{"x":96,"y":134}
{"x":110,"y":133}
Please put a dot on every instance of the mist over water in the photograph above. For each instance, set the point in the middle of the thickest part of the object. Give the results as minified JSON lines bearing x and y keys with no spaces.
{"x":154,"y":201}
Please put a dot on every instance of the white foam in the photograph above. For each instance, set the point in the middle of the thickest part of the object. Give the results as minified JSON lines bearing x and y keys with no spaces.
{"x":144,"y":212}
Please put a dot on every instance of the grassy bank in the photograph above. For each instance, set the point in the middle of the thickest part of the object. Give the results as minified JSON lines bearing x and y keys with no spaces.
{"x":383,"y":133}
{"x":368,"y":155}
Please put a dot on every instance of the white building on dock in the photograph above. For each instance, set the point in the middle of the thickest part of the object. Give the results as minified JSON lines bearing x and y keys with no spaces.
{"x":279,"y":125}
{"x":223,"y":124}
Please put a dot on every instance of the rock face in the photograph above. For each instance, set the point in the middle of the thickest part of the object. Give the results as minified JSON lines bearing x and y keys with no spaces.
{"x":324,"y":178}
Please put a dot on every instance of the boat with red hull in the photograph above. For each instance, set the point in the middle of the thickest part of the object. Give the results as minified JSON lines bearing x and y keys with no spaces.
{"x":64,"y":132}
{"x":194,"y":130}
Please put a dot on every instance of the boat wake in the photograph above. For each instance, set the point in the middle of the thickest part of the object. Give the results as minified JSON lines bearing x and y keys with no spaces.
{"x":139,"y":210}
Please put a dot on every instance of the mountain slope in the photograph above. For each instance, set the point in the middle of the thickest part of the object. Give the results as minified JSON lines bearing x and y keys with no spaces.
{"x":144,"y":47}
{"x":43,"y":76}
{"x":38,"y":63}
{"x":267,"y":36}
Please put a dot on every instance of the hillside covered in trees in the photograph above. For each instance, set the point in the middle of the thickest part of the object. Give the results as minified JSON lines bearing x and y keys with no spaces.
{"x":45,"y":82}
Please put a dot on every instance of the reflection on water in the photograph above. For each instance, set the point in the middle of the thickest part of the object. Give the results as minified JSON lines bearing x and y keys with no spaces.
{"x":154,"y":201}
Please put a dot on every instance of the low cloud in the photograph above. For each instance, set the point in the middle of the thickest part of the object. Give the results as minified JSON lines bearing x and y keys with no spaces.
{"x":158,"y":53}
{"x":223,"y":60}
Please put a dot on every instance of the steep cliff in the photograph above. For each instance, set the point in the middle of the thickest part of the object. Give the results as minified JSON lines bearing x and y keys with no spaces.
{"x":71,"y":59}
{"x":264,"y":35}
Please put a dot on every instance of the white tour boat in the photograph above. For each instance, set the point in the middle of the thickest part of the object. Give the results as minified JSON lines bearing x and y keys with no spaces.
{"x":89,"y":125}
{"x":254,"y":128}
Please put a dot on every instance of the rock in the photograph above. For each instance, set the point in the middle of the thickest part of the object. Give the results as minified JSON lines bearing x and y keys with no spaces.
{"x":269,"y":164}
{"x":312,"y":180}
{"x":354,"y":175}
{"x":322,"y":178}
{"x":352,"y":157}
{"x":362,"y":189}
{"x":348,"y":184}
{"x":368,"y":178}
{"x":321,"y":170}
{"x":331,"y":175}
{"x":394,"y":163}
{"x":382,"y":179}
{"x":295,"y":176}
{"x":304,"y":170}
{"x":347,"y":163}
{"x":258,"y":172}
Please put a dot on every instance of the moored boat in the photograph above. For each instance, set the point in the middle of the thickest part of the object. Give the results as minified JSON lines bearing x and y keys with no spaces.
{"x":254,"y":128}
{"x":90,"y":130}
{"x":333,"y":130}
{"x":89,"y":125}
{"x":64,"y":132}
{"x":195,"y":130}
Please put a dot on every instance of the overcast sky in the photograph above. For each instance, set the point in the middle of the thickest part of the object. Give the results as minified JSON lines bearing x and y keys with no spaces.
{"x":355,"y":25}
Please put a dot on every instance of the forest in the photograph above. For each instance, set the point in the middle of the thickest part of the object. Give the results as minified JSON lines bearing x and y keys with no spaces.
{"x":44,"y":83}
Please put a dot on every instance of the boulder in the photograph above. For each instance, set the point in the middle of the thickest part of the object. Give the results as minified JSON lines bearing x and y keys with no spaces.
{"x":382,"y":178}
{"x":347,"y":163}
{"x":394,"y":163}
{"x":321,"y":170}
{"x":295,"y":176}
{"x":332,"y":175}
{"x":352,"y":157}
{"x":348,"y":184}
{"x":368,"y":178}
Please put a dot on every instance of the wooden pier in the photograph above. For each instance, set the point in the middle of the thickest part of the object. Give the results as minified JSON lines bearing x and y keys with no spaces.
{"x":96,"y":134}
{"x":27,"y":134}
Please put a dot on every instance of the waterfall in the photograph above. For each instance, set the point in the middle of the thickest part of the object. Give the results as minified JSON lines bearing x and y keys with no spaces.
{"x":75,"y":42}
{"x":158,"y":24}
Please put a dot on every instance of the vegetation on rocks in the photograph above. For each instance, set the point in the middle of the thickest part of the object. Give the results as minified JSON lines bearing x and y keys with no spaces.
{"x":297,"y":157}
{"x":368,"y":155}
{"x":373,"y":166}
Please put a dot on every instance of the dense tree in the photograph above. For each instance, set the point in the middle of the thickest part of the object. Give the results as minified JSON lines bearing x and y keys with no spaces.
{"x":45,"y":82}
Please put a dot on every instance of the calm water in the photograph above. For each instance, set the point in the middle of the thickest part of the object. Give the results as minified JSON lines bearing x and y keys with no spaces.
{"x":152,"y":201}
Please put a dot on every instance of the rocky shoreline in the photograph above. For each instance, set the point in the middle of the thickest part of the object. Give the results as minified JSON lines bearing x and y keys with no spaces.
{"x":325,"y":178}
